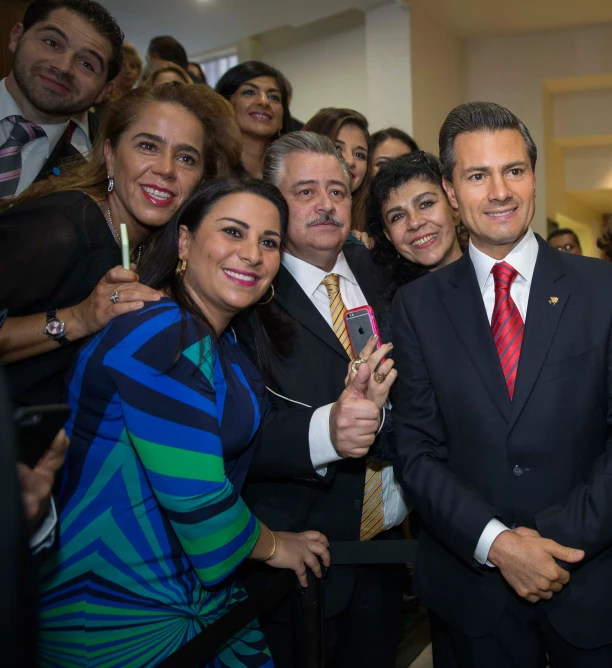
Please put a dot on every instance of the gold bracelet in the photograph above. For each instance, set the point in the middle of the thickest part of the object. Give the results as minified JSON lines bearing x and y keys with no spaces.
{"x":273,"y":547}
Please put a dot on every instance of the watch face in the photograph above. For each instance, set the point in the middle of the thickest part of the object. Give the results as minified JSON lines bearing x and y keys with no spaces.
{"x":55,"y":327}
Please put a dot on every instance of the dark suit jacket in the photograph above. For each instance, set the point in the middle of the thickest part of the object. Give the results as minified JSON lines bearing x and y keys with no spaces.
{"x":65,"y":151}
{"x":283,"y":489}
{"x":467,"y":454}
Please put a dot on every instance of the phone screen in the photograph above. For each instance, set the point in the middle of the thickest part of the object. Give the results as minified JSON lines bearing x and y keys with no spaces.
{"x":360,"y":330}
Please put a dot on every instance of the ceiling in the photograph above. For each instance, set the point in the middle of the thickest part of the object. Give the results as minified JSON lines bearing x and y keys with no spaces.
{"x":205,"y":25}
{"x":469,"y":18}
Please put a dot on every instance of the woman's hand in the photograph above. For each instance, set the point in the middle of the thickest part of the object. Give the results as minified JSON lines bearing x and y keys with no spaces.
{"x":365,"y":238}
{"x":297,"y":551}
{"x":93,"y":314}
{"x":378,"y":390}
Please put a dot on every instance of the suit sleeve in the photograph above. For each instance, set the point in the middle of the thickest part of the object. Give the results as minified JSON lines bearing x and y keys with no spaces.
{"x":453,"y":510}
{"x":584,"y":521}
{"x":283,"y":445}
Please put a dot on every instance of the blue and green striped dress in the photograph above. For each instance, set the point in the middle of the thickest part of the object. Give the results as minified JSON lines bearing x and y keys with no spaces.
{"x":152,"y":524}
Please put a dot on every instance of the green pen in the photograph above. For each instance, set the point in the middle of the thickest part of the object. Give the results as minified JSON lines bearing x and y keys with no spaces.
{"x":125,"y":246}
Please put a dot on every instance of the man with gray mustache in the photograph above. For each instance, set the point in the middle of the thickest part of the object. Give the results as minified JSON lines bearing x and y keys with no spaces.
{"x":314,"y":464}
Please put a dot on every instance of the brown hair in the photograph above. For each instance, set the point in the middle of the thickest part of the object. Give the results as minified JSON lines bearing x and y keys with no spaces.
{"x":131,"y":55}
{"x":328,"y":122}
{"x":165,"y":66}
{"x":222,"y":139}
{"x":605,"y":240}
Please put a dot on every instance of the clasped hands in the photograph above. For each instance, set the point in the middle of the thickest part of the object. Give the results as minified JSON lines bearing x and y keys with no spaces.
{"x":354,"y":419}
{"x":528,"y":563}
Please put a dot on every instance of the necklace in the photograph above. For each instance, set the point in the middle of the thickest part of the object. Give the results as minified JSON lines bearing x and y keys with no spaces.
{"x":113,"y":229}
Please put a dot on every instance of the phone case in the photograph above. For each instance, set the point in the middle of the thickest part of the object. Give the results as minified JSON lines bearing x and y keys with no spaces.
{"x":354,"y":320}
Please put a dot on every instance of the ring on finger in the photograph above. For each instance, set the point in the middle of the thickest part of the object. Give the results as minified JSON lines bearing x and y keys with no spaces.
{"x":115,"y":297}
{"x":356,"y":364}
{"x":379,"y":376}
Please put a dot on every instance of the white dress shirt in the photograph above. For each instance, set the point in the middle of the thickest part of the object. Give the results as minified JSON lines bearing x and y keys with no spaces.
{"x":522,"y":258}
{"x":35,"y":153}
{"x":322,"y":451}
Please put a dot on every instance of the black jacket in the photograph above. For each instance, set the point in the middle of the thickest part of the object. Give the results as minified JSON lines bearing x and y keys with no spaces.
{"x":467,"y":454}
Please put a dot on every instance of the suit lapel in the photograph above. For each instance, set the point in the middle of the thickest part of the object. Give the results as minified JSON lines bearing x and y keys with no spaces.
{"x":361,"y":266}
{"x":464,"y":304}
{"x":296,"y":302}
{"x":541,"y":321}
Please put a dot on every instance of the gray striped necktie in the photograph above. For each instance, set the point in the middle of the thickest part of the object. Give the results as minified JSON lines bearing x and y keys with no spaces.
{"x":10,"y":153}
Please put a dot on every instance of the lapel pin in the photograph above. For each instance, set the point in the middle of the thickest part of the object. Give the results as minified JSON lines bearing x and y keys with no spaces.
{"x":553,"y":300}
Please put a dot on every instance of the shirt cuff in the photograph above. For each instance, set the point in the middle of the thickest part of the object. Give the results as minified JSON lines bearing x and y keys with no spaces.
{"x":322,"y":451}
{"x":45,"y":534}
{"x":490,"y":533}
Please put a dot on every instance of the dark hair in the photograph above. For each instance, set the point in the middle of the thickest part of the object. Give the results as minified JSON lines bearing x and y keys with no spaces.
{"x":201,"y":74}
{"x":92,"y":12}
{"x":604,"y":242}
{"x":167,"y":48}
{"x":561,"y":231}
{"x":160,"y":262}
{"x":396,"y":270}
{"x":229,"y":83}
{"x":393,"y":133}
{"x":328,"y":121}
{"x":476,"y":117}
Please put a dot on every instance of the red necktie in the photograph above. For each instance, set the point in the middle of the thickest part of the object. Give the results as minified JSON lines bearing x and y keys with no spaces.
{"x":506,"y":324}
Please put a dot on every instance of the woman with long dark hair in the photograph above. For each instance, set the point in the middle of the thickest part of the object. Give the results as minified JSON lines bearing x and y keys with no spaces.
{"x":259,"y":95}
{"x":348,"y":129}
{"x":165,"y":410}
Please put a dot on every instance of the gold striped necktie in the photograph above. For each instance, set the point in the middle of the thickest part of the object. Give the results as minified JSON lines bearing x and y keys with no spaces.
{"x":372,"y":515}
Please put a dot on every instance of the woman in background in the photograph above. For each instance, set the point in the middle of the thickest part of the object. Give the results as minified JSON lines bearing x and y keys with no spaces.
{"x":348,"y":129}
{"x":165,"y":408}
{"x":130,"y":72}
{"x":163,"y":73}
{"x":388,"y":144}
{"x":258,"y":93}
{"x":60,"y":256}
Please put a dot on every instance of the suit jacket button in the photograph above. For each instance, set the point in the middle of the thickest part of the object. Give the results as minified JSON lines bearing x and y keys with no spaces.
{"x":357,"y":504}
{"x":518,"y":471}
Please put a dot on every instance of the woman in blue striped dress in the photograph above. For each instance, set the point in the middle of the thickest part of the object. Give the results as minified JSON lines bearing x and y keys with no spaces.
{"x":165,"y":408}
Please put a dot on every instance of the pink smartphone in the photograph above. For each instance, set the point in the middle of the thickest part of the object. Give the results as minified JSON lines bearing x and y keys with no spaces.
{"x":361,"y":325}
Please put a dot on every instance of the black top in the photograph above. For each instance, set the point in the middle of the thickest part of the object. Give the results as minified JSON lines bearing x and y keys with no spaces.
{"x":53,"y":252}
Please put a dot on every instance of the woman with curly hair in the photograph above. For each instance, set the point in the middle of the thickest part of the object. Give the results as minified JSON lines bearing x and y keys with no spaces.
{"x":410,"y":220}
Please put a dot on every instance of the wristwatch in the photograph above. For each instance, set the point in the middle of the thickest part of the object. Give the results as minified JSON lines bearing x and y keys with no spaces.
{"x":55,"y":328}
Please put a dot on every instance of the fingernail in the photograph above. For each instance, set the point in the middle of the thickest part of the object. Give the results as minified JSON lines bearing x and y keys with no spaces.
{"x":374,"y":337}
{"x":391,"y":345}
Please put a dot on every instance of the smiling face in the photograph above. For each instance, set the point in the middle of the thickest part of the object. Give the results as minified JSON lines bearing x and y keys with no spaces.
{"x":157,"y":164}
{"x":317,"y":192}
{"x":259,"y":108}
{"x":60,"y":66}
{"x":494,"y":189}
{"x":387,"y":150}
{"x":353,"y":145}
{"x":419,"y":223}
{"x":233,"y":256}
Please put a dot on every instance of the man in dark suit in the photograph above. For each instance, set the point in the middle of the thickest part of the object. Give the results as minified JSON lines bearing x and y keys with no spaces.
{"x":66,"y":53}
{"x":503,"y":416}
{"x":310,"y":468}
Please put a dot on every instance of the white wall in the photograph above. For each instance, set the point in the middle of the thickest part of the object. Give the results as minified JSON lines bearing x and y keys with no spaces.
{"x":324,"y":70}
{"x":582,"y":113}
{"x":510,"y":70}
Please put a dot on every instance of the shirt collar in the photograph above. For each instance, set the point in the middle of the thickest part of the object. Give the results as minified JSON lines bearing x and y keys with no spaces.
{"x":82,"y":122}
{"x":522,"y":258}
{"x":309,"y":277}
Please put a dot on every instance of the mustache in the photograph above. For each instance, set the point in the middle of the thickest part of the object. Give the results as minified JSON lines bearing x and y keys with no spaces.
{"x":325,"y":218}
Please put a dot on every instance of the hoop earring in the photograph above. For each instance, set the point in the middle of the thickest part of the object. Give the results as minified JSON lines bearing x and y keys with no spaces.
{"x":111,"y":184}
{"x":268,"y":300}
{"x":181,"y":268}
